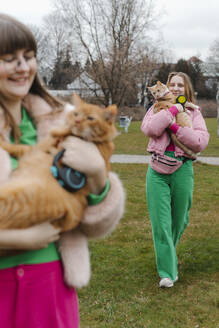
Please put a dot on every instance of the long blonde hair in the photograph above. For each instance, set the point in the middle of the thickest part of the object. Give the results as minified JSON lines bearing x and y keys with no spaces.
{"x":15,"y":36}
{"x":189,"y":91}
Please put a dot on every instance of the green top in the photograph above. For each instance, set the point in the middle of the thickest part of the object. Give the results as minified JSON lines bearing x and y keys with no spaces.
{"x":50,"y":253}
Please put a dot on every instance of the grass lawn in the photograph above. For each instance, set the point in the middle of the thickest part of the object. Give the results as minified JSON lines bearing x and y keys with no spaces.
{"x":134,"y":142}
{"x":124,"y":293}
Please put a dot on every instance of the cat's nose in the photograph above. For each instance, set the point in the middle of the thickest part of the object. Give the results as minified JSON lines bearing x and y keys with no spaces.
{"x":77,"y":121}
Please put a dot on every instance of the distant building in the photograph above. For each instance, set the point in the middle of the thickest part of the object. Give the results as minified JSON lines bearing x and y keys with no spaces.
{"x":211,"y":72}
{"x":84,"y":86}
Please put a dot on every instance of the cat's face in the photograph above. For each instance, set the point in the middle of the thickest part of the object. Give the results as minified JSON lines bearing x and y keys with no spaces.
{"x":158,"y":90}
{"x":91,"y":122}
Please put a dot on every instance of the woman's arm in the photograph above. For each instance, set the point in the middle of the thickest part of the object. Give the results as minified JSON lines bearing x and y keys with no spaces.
{"x":197,"y":137}
{"x":100,"y":219}
{"x":36,"y":237}
{"x":154,"y":124}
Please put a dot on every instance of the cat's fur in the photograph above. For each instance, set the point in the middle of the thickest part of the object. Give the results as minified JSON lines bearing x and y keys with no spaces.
{"x":164,"y":100}
{"x":32,"y":195}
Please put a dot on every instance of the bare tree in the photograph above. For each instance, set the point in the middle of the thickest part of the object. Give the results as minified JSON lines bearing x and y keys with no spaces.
{"x":44,"y":52}
{"x":57,"y":33}
{"x":214,"y":52}
{"x":213,"y":58}
{"x":54,"y":39}
{"x":109,"y":35}
{"x":149,"y":62}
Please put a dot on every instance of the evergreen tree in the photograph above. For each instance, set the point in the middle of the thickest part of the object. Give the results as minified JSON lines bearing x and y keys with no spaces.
{"x":163,"y":73}
{"x":64,"y":71}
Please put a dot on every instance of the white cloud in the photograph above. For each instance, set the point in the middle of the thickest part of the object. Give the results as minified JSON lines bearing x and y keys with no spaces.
{"x":190,"y":26}
{"x":29,"y":12}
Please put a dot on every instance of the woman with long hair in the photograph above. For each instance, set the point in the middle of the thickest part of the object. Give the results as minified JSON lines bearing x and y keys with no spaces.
{"x":169,"y":191}
{"x":33,"y":289}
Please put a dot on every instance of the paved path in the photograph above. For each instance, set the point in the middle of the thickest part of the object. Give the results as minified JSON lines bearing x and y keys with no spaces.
{"x":142,"y":159}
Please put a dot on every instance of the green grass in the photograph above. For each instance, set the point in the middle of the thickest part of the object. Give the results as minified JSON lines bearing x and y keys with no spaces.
{"x":124,"y":293}
{"x":134,"y":142}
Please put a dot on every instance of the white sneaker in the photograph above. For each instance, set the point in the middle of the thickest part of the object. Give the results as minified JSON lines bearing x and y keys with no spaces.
{"x":166,"y":283}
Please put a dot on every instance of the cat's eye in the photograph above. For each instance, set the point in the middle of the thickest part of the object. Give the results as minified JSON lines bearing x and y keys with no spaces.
{"x":91,"y":118}
{"x":75,"y":113}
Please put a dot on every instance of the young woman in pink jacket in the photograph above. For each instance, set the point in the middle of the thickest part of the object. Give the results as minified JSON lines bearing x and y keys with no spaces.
{"x":169,"y":180}
{"x":38,"y":279}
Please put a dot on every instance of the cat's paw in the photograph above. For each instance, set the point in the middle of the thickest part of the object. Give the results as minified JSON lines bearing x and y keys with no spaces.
{"x":73,"y":247}
{"x":77,"y":278}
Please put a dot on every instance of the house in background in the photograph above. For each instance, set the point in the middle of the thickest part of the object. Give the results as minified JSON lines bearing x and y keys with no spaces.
{"x":84,"y":86}
{"x":211,"y":72}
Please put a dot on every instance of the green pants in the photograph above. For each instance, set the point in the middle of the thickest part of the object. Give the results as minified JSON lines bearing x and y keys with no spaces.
{"x":169,"y":199}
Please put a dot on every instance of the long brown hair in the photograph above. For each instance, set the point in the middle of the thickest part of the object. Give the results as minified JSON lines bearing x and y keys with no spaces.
{"x":189,"y":91}
{"x":15,"y":36}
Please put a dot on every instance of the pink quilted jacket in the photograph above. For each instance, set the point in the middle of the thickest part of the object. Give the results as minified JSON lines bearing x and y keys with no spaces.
{"x":154,"y":126}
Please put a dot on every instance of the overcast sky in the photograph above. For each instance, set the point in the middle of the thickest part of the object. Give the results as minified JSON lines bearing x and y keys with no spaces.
{"x":188,"y":26}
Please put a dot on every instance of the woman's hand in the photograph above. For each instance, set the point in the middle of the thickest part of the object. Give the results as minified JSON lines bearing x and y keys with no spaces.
{"x":85,"y":157}
{"x":36,"y":237}
{"x":191,"y":105}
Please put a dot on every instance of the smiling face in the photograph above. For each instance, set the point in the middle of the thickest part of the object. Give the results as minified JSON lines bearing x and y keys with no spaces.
{"x":177,"y":86}
{"x":17,"y":72}
{"x":17,"y":60}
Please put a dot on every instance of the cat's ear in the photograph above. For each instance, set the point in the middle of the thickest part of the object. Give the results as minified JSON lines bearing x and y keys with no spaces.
{"x":77,"y":100}
{"x":159,"y":83}
{"x":110,"y":113}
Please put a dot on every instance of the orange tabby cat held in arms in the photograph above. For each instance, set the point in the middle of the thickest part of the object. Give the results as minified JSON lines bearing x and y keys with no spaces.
{"x":43,"y":266}
{"x":164,"y":100}
{"x":32,"y":195}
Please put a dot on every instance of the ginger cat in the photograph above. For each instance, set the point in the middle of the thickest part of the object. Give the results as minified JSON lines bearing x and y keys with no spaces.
{"x":164,"y":100}
{"x":32,"y":195}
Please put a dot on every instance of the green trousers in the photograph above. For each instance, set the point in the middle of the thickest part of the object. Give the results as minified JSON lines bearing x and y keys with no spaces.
{"x":169,"y":199}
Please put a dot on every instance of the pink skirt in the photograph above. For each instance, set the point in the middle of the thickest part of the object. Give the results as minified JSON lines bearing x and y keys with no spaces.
{"x":35,"y":296}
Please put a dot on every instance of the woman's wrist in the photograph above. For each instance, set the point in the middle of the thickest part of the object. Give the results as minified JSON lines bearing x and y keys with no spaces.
{"x":175,"y":109}
{"x":97,"y":180}
{"x":94,"y":199}
{"x":12,"y":239}
{"x":174,"y":127}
